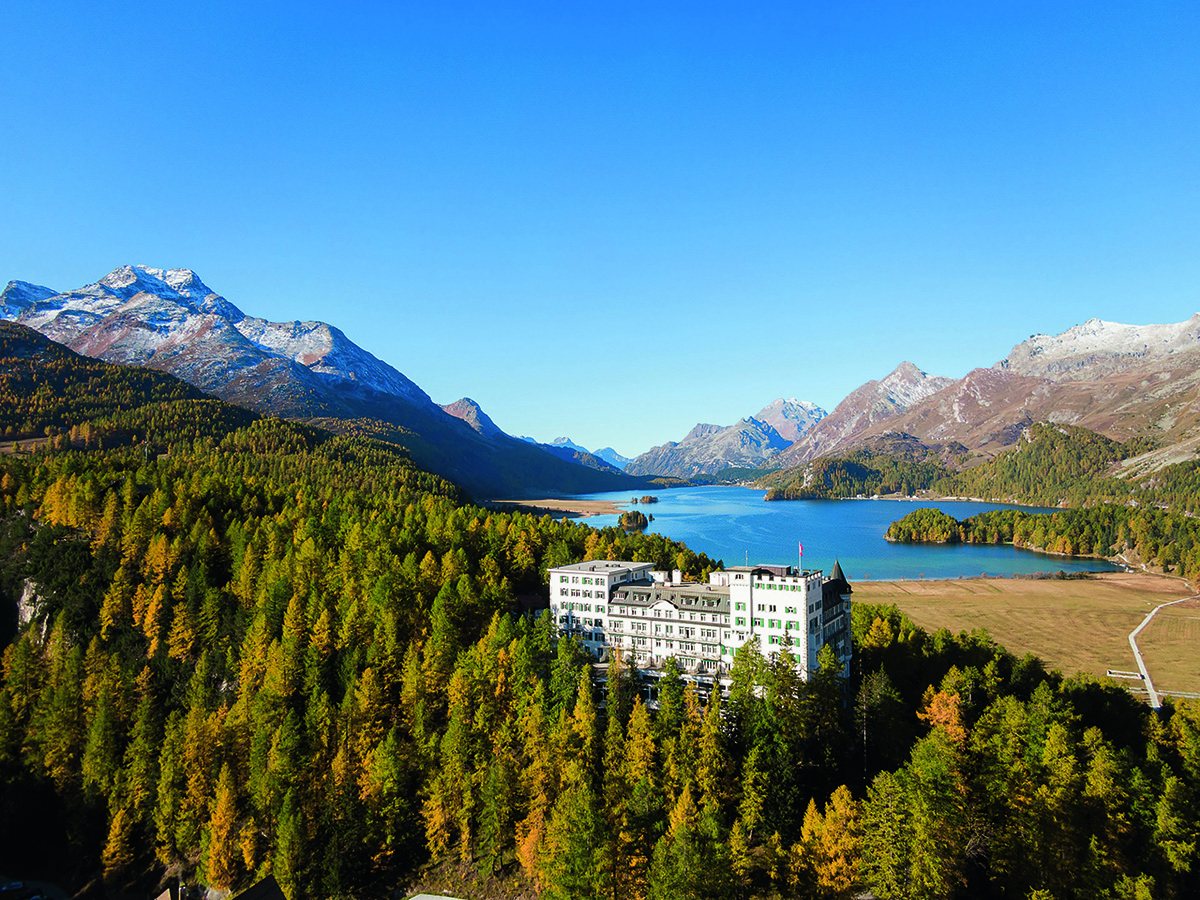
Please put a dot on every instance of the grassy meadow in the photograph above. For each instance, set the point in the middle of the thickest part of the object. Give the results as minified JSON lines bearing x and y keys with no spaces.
{"x":1074,"y":625}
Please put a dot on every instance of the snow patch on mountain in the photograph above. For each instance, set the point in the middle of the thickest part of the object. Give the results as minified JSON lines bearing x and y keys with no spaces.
{"x":20,"y":295}
{"x":142,"y":316}
{"x":1098,"y":348}
{"x":791,"y":417}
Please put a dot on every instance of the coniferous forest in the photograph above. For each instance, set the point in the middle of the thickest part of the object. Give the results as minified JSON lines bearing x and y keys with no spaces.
{"x":235,"y":646}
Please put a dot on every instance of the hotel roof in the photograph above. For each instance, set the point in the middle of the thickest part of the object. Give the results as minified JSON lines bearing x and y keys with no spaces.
{"x":608,"y":566}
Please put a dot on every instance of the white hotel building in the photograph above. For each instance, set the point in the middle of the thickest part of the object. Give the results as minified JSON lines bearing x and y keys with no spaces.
{"x":651,"y":616}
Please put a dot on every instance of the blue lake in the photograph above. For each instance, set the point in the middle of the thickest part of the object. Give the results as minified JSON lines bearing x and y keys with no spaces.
{"x":736,"y":525}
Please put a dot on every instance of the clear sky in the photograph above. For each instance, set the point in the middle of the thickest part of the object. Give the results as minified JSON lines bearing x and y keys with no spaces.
{"x":614,"y":220}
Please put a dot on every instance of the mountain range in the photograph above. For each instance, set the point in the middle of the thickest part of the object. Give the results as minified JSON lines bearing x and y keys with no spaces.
{"x":1115,"y":379}
{"x":1119,"y":380}
{"x":168,"y":319}
{"x":753,"y":442}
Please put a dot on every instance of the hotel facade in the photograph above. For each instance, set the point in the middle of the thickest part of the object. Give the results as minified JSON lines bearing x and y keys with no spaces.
{"x":651,"y":616}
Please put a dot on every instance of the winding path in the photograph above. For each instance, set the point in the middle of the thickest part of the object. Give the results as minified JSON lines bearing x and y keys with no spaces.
{"x":1137,"y":654}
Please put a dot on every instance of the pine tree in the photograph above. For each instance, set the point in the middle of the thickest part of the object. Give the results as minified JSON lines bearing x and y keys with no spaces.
{"x":222,"y":849}
{"x":830,"y":846}
{"x":102,"y":751}
{"x":118,"y":848}
{"x":538,"y":783}
{"x":287,"y":860}
{"x":888,"y":838}
{"x":568,"y":865}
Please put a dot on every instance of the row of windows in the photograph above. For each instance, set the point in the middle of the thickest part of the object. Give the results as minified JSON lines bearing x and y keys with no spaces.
{"x":581,"y":592}
{"x":575,"y":579}
{"x":670,"y":614}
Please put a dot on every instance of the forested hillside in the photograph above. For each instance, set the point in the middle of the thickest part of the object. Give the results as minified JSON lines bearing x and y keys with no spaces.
{"x":860,"y":473}
{"x":251,"y":646}
{"x":1051,"y":465}
{"x":45,"y":388}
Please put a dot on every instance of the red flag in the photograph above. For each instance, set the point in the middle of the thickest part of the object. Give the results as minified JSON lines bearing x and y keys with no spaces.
{"x":801,"y":546}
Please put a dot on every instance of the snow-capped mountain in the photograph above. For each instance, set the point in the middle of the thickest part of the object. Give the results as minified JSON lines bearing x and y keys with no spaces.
{"x":561,"y":444}
{"x":569,"y":444}
{"x":1098,"y":348}
{"x":168,"y":319}
{"x":790,"y":417}
{"x":19,"y":296}
{"x":613,"y":458}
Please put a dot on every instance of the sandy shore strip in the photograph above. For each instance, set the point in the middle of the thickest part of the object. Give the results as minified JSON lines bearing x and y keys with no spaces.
{"x":579,"y":508}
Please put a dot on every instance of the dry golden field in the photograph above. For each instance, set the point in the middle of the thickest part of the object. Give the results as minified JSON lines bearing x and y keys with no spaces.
{"x":1074,"y":625}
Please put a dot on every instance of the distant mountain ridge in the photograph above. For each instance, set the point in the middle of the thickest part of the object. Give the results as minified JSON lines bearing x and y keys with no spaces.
{"x":749,"y":443}
{"x":606,"y":454}
{"x":864,"y":408}
{"x":1115,"y":379}
{"x":562,"y":448}
{"x":168,"y":319}
{"x":1118,"y":380}
{"x":791,"y":418}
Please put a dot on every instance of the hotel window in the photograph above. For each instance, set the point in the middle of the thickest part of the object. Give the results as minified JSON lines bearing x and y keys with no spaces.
{"x":740,"y":621}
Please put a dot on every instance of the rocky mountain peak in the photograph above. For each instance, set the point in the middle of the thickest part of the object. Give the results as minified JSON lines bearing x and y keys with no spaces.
{"x":790,"y":417}
{"x":1098,"y":348}
{"x":18,"y":296}
{"x":471,"y":413}
{"x":864,"y":408}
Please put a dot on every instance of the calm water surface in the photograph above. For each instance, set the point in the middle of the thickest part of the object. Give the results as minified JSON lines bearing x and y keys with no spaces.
{"x":735,"y":525}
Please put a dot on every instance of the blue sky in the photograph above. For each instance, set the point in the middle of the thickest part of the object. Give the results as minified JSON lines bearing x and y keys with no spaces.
{"x":614,"y":220}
